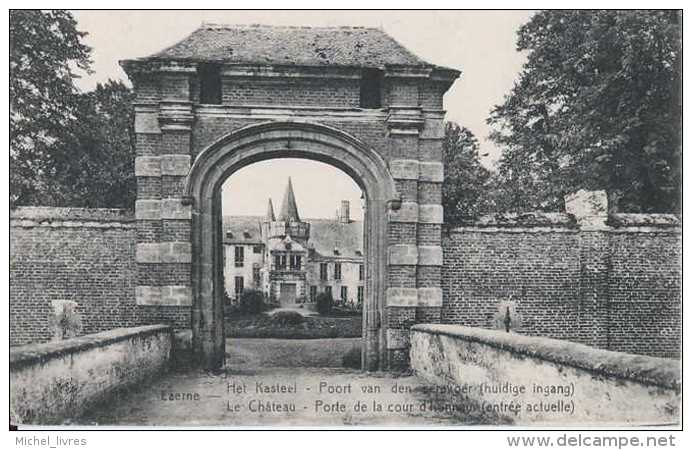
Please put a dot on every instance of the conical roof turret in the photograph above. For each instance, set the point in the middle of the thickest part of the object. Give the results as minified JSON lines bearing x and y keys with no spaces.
{"x":270,"y":217}
{"x":289,"y":209}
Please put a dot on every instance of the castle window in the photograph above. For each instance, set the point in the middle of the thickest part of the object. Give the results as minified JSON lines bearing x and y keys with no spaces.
{"x":361,"y":272}
{"x":337,"y":271}
{"x":257,"y":249}
{"x":256,"y":276}
{"x":360,"y":294}
{"x":239,"y":256}
{"x":323,"y":271}
{"x":209,"y":83}
{"x":344,"y":294}
{"x":313,"y":293}
{"x":371,"y":89}
{"x":295,"y":262}
{"x":280,"y":262}
{"x":239,"y":286}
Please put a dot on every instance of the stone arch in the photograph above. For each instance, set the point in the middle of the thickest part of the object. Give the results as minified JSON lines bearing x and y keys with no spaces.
{"x":272,"y":140}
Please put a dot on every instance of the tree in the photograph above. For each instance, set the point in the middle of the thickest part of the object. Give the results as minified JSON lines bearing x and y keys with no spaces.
{"x":45,"y":51}
{"x":92,"y":162}
{"x":596,"y":106}
{"x":464,"y":192}
{"x":67,"y":148}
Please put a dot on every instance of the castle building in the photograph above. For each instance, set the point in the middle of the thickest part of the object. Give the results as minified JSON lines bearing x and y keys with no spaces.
{"x":291,"y":259}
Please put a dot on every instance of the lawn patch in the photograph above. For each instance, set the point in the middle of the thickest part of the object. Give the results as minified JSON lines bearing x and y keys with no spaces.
{"x":280,"y":326}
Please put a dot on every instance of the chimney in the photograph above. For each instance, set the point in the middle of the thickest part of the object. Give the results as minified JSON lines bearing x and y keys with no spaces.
{"x":345,"y":212}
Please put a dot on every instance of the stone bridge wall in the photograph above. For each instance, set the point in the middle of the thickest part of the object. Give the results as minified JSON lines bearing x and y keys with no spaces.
{"x":615,"y":286}
{"x":52,"y":381}
{"x":531,"y":380}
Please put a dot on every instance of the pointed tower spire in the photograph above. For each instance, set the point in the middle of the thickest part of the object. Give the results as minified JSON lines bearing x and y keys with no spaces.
{"x":289,"y":209}
{"x":270,"y":212}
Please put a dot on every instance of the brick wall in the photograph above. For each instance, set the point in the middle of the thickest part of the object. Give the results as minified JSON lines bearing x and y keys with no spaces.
{"x":298,"y":92}
{"x":644,"y":288}
{"x":617,"y":287}
{"x":80,"y":255}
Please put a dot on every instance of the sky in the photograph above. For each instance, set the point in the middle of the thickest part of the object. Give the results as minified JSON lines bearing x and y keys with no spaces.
{"x":318,"y":187}
{"x":482,"y":44}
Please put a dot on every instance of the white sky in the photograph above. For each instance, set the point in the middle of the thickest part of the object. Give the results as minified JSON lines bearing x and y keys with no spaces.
{"x":479,"y":43}
{"x":319,"y":189}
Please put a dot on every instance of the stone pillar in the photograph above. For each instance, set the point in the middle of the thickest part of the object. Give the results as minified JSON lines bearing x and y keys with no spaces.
{"x":163,"y":253}
{"x":430,"y":218}
{"x":590,"y":210}
{"x":414,"y":291}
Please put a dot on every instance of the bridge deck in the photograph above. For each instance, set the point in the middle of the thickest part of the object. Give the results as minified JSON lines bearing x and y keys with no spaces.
{"x":248,"y":395}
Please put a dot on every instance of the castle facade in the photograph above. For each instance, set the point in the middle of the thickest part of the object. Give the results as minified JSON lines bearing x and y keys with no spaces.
{"x":293,"y":260}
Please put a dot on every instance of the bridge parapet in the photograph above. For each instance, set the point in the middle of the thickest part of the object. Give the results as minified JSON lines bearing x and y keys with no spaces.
{"x":56,"y":380}
{"x":530,"y":380}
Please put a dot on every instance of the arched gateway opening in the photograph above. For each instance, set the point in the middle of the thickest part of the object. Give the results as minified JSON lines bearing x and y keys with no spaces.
{"x":283,"y":140}
{"x":191,"y":101}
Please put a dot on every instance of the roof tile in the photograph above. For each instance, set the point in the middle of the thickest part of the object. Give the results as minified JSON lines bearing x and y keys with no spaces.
{"x":282,"y":45}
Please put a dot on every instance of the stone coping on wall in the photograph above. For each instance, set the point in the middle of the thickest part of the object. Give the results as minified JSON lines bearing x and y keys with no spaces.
{"x":620,"y":220}
{"x":540,"y":221}
{"x":647,"y":370}
{"x":530,"y":219}
{"x":26,"y":215}
{"x":25,"y":355}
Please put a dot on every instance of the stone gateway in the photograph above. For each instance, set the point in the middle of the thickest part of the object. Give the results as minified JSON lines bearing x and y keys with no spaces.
{"x":228,"y":96}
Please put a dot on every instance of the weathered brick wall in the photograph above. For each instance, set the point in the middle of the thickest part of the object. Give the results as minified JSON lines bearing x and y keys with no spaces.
{"x":616,"y":287}
{"x":645,"y":279}
{"x":58,"y":254}
{"x":298,"y":92}
{"x":85,"y":256}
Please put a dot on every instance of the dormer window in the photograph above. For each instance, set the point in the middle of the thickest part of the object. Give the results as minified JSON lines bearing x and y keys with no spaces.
{"x":371,"y":89}
{"x":209,"y":83}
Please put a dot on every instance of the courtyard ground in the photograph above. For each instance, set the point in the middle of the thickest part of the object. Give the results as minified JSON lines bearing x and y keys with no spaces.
{"x":265,"y":325}
{"x":266,"y":383}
